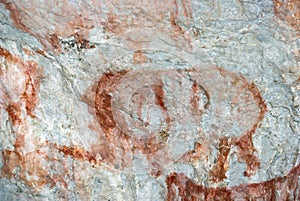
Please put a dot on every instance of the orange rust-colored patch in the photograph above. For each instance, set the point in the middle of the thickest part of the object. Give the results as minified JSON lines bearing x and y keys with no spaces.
{"x":41,"y":52}
{"x":14,"y":112}
{"x":159,"y":97}
{"x":288,"y":10}
{"x":219,"y":170}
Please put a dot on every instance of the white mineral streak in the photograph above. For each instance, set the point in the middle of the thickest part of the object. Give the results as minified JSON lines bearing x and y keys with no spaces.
{"x":62,"y":48}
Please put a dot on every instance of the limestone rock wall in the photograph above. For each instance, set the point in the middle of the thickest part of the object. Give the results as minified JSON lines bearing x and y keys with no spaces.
{"x":149,"y":100}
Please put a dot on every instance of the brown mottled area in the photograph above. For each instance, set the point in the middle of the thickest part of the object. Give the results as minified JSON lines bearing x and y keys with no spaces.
{"x":283,"y":188}
{"x":219,"y":170}
{"x":288,"y":10}
{"x":67,"y":20}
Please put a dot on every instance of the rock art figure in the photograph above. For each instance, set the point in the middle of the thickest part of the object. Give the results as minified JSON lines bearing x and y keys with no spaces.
{"x":145,"y":112}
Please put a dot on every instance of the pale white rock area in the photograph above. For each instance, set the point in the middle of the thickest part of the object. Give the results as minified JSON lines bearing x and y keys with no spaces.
{"x":244,"y":38}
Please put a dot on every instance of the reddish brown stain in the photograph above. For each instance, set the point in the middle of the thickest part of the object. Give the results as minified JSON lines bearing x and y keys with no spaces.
{"x":26,"y":167}
{"x":82,"y":42}
{"x":194,"y":155}
{"x":54,"y":41}
{"x":196,"y":98}
{"x":139,"y":57}
{"x":30,"y":94}
{"x":246,"y":153}
{"x":14,"y":112}
{"x":20,"y":141}
{"x":32,"y":76}
{"x":219,"y":170}
{"x":159,"y":97}
{"x":8,"y":56}
{"x":156,"y":169}
{"x":289,"y":11}
{"x":246,"y":150}
{"x":103,"y":100}
{"x":262,"y":105}
{"x":15,"y":15}
{"x":181,"y":187}
{"x":77,"y":152}
{"x":103,"y":152}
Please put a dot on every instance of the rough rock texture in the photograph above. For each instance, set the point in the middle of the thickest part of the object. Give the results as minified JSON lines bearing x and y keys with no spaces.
{"x":149,"y":100}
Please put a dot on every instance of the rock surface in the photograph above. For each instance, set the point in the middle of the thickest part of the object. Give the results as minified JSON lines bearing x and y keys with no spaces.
{"x":149,"y":100}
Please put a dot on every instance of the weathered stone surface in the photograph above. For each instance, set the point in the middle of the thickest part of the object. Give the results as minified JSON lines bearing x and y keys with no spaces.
{"x":149,"y":100}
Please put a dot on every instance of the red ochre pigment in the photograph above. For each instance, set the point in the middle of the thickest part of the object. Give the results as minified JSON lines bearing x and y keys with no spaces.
{"x":121,"y":85}
{"x":277,"y":189}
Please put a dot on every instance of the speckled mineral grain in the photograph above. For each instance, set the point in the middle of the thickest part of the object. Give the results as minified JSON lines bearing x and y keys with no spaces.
{"x":150,"y":100}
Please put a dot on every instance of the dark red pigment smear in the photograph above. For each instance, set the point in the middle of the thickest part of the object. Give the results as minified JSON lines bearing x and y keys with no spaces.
{"x":180,"y":186}
{"x":218,"y":172}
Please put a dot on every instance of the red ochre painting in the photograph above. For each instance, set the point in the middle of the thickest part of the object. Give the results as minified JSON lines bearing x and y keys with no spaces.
{"x":149,"y":100}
